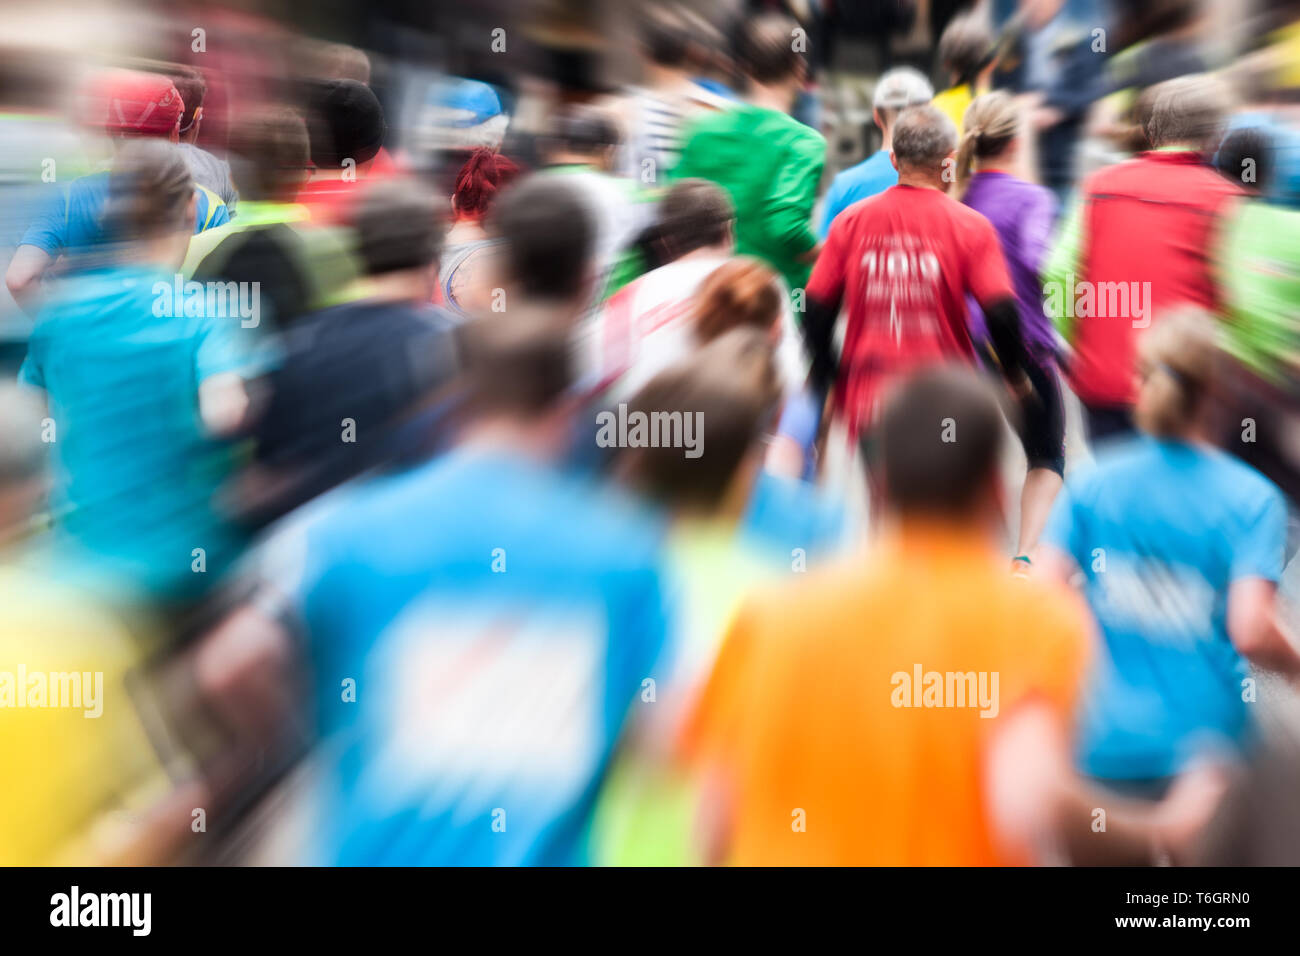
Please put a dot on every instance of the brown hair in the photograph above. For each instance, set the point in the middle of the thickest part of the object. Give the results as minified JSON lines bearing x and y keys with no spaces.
{"x":731,"y":384}
{"x":149,"y":191}
{"x":989,"y":125}
{"x":740,"y":293}
{"x":1177,"y":360}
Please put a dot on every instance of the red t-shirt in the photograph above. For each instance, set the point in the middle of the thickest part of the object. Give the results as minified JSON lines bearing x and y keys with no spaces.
{"x":903,"y":263}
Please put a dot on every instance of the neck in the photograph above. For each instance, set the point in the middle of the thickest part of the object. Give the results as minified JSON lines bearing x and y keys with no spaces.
{"x":778,"y":98}
{"x":923,"y":179}
{"x":407,"y":285}
{"x":886,"y":139}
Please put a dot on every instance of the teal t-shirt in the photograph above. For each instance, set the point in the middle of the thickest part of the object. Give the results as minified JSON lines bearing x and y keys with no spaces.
{"x":135,"y":475}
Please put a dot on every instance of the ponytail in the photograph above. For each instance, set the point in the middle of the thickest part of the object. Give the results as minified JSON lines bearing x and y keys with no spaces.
{"x":989,"y":125}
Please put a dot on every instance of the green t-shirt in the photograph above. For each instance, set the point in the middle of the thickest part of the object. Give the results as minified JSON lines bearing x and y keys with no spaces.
{"x":771,"y":165}
{"x":1260,"y":278}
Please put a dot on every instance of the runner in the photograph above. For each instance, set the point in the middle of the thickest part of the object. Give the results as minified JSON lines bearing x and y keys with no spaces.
{"x":464,"y":279}
{"x":1022,"y":214}
{"x":1140,"y":241}
{"x":903,"y":263}
{"x":769,"y":163}
{"x":895,"y":91}
{"x":1180,"y":547}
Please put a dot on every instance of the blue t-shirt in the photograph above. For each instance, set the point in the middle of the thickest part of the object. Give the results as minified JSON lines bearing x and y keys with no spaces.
{"x":498,"y":619}
{"x":1160,"y":530}
{"x":873,"y":175}
{"x":71,"y":219}
{"x":135,"y":475}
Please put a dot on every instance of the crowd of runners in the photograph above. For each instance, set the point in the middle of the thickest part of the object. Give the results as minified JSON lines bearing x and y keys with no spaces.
{"x":616,"y":477}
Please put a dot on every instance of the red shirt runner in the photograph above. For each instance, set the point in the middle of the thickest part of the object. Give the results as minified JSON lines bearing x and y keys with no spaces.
{"x":903,"y":262}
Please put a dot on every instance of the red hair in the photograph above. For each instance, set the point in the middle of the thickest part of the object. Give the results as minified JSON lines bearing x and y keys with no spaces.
{"x":484,"y":174}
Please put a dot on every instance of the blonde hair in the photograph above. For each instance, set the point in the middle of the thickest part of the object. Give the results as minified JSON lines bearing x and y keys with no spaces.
{"x":989,"y":125}
{"x":1178,"y":360}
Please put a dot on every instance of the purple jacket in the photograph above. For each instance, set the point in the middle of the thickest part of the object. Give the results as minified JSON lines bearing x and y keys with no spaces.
{"x":1022,"y":214}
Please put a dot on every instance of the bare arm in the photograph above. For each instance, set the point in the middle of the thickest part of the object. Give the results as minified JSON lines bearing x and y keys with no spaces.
{"x":1255,"y":628}
{"x":23,"y":278}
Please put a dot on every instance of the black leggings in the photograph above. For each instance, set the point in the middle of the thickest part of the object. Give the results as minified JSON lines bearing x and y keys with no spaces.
{"x":1042,"y":418}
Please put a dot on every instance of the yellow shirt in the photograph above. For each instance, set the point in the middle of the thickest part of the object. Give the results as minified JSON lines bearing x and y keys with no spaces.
{"x":953,"y":104}
{"x":834,"y":752}
{"x":75,"y":746}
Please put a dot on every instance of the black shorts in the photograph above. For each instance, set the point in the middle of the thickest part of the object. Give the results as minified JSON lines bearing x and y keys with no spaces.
{"x":1042,"y":418}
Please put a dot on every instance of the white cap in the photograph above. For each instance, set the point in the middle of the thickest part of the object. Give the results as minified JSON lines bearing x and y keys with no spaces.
{"x":901,"y":87}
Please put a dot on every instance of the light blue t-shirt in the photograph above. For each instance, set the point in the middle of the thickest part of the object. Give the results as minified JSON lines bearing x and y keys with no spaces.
{"x":72,"y":218}
{"x":135,"y":475}
{"x":1160,"y":530}
{"x":873,"y":175}
{"x":498,"y":619}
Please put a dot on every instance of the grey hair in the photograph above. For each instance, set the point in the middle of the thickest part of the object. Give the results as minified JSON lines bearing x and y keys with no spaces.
{"x":22,"y":452}
{"x":1190,"y":110}
{"x":923,"y":137}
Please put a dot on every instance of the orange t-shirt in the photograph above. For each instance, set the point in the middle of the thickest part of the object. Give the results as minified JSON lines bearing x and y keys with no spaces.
{"x":804,"y":714}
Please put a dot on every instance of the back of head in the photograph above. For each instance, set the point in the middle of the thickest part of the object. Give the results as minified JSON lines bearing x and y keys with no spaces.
{"x":665,"y":35}
{"x":1246,"y":157}
{"x":899,"y":88}
{"x":397,"y":227}
{"x":270,"y":154}
{"x":1188,"y":111}
{"x":519,"y":369}
{"x":191,"y":86}
{"x":149,"y":191}
{"x":990,"y":124}
{"x":723,"y":398}
{"x":940,"y":437}
{"x":1177,"y":360}
{"x":694,"y":214}
{"x":484,"y":174}
{"x":548,"y":236}
{"x":741,"y":293}
{"x":965,"y":48}
{"x":132,"y":103}
{"x":766,"y":50}
{"x":346,"y":122}
{"x":582,"y":130}
{"x":923,"y":138}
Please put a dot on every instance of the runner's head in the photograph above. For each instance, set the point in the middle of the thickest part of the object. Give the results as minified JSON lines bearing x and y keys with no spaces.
{"x":1246,"y":157}
{"x":665,"y":37}
{"x":346,"y":123}
{"x":767,"y":54}
{"x":896,"y":90}
{"x":694,"y":214}
{"x":548,"y":244}
{"x":741,"y":293}
{"x":923,"y":146}
{"x":129,"y":104}
{"x":518,"y":374}
{"x":270,"y":156}
{"x":1190,"y":111}
{"x":965,"y":49}
{"x":484,"y":174}
{"x":990,"y":132}
{"x":399,"y":238}
{"x":582,"y":135}
{"x":151,"y":197}
{"x":940,"y":436}
{"x":1178,"y":360}
{"x":707,"y":415}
